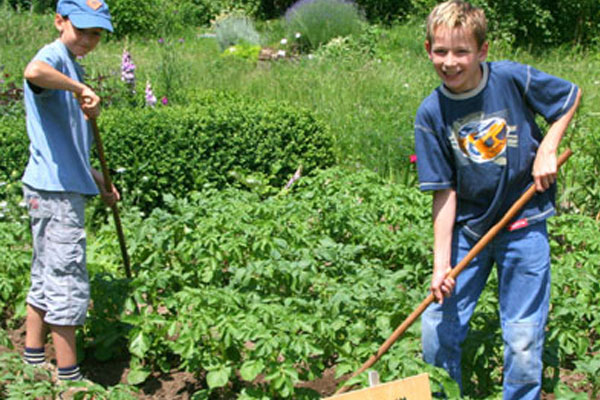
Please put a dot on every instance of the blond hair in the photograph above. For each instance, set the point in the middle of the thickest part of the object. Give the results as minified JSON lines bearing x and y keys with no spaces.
{"x":457,"y":14}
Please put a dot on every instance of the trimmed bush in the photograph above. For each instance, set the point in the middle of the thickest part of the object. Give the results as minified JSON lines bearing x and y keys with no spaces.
{"x":219,"y":140}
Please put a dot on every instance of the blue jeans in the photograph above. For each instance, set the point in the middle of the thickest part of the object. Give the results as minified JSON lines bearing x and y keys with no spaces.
{"x":523,"y":267}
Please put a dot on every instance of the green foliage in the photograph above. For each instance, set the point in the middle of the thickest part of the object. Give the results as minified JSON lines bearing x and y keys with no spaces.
{"x":281,"y":287}
{"x":541,"y":22}
{"x":38,"y":6}
{"x":319,"y":21}
{"x":234,"y":29}
{"x":243,"y":51}
{"x":217,"y":140}
{"x":135,"y":18}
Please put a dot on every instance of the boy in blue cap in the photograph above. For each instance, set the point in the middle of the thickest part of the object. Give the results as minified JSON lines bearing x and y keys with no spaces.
{"x":478,"y":149}
{"x":58,"y":179}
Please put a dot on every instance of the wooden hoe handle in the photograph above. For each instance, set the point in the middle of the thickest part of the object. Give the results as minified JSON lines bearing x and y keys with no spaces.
{"x":510,"y":214}
{"x":108,"y":188}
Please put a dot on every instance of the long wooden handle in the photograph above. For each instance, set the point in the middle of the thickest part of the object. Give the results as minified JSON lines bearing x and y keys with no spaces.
{"x":510,"y":214}
{"x":108,"y":188}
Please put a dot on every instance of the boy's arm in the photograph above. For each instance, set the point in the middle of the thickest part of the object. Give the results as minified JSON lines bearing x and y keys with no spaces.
{"x":45,"y":76}
{"x":544,"y":165}
{"x":444,"y":213}
{"x":109,"y":198}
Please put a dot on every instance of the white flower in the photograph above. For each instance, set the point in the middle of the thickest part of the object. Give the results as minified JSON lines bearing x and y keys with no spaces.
{"x":145,"y":178}
{"x":406,"y":85}
{"x":281,"y":53}
{"x":298,"y":35}
{"x":283,"y":41}
{"x":3,"y":183}
{"x":310,"y":56}
{"x":121,"y":170}
{"x":3,"y":204}
{"x":1,"y":215}
{"x":22,"y":204}
{"x":232,"y":49}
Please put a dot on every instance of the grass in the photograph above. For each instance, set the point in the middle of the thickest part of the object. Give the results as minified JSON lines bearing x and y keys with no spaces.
{"x":369,"y":99}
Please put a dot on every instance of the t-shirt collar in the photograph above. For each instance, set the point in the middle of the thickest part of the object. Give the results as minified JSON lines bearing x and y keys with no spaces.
{"x":473,"y":92}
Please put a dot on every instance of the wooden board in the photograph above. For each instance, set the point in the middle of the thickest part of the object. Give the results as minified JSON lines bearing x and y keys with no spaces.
{"x":413,"y":388}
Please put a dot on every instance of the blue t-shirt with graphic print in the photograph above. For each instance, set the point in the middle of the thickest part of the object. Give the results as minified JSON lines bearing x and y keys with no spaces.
{"x":60,"y":136}
{"x":482,"y":143}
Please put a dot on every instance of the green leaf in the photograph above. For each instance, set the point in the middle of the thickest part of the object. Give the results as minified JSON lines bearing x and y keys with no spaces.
{"x":251,"y":369}
{"x":218,"y":378}
{"x":137,"y":376}
{"x":139,"y":345}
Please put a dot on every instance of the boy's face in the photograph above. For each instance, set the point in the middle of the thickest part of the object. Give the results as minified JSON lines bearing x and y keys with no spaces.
{"x":78,"y":41}
{"x":456,"y":57}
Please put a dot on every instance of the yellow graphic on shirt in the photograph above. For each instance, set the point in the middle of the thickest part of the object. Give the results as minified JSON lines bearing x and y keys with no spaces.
{"x":483,"y":140}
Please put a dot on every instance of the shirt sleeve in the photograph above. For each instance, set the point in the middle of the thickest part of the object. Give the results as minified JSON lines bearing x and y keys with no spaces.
{"x":434,"y":158}
{"x":547,"y":95}
{"x":52,"y":59}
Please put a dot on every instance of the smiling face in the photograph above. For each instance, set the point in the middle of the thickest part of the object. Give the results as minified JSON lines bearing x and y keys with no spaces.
{"x":78,"y":41}
{"x":456,"y":57}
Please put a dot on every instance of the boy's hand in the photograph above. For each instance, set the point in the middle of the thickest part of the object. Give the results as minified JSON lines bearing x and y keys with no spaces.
{"x":441,"y":285}
{"x":110,"y":198}
{"x":89,"y":102}
{"x":544,"y":168}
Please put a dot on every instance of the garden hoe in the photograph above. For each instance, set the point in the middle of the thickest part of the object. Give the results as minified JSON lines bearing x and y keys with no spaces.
{"x":108,"y":187}
{"x":510,"y":214}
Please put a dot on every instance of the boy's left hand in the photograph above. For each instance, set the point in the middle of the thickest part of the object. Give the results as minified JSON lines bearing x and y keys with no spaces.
{"x":110,"y":198}
{"x":544,"y":169}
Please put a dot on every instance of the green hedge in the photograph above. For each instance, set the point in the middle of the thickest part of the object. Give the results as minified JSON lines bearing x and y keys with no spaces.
{"x":219,"y":140}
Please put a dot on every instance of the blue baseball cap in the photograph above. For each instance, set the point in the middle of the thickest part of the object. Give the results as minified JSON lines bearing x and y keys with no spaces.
{"x":85,"y":14}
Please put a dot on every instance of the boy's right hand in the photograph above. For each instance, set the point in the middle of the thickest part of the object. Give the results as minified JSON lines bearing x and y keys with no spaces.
{"x":89,"y":102}
{"x":441,"y":285}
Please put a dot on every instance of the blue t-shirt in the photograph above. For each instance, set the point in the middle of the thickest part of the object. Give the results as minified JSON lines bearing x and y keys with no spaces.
{"x":60,"y":137}
{"x":482,"y":143}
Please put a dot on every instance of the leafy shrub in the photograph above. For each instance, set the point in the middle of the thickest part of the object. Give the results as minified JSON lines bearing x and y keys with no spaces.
{"x":38,"y":6}
{"x":282,"y":286}
{"x":319,"y":21}
{"x":233,"y":29}
{"x":135,"y":18}
{"x":214,"y":141}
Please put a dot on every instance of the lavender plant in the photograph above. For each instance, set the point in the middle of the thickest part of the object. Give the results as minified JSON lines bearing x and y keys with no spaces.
{"x":319,"y":21}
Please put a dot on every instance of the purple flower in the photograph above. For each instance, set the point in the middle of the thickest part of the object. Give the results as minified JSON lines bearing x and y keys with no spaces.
{"x":127,"y":69}
{"x":161,"y":40}
{"x":181,"y":40}
{"x":164,"y":100}
{"x":150,"y":97}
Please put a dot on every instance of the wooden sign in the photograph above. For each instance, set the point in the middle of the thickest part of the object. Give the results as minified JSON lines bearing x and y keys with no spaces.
{"x":413,"y":388}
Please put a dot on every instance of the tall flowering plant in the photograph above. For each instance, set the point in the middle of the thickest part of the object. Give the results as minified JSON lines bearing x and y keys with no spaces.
{"x":128,"y":70}
{"x":150,"y":97}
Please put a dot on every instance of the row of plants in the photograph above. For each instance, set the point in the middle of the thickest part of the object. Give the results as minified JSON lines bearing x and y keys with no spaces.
{"x":256,"y":295}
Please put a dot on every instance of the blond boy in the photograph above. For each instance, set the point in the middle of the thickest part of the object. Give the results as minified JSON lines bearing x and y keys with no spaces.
{"x":478,"y":149}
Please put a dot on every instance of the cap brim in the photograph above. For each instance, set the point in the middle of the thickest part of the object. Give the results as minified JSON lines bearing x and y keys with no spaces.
{"x":86,"y":21}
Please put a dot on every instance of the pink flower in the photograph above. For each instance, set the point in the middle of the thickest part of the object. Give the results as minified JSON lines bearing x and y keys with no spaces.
{"x":413,"y":158}
{"x":164,"y":100}
{"x":150,"y":97}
